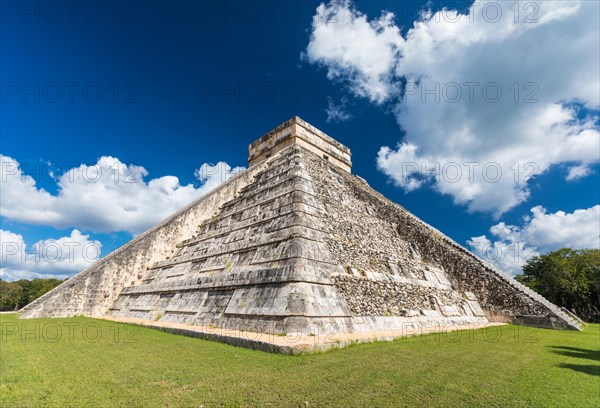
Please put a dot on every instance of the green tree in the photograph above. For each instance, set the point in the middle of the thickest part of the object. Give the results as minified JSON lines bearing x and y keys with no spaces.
{"x":10,"y":295}
{"x":569,"y":278}
{"x":19,"y":293}
{"x":25,"y":285}
{"x":38,"y":287}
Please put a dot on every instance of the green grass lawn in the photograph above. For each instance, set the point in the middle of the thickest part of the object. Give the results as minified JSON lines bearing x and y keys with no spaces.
{"x":86,"y":362}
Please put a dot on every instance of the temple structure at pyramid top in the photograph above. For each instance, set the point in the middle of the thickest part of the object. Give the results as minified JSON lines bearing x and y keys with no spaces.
{"x":297,"y":245}
{"x":300,"y":132}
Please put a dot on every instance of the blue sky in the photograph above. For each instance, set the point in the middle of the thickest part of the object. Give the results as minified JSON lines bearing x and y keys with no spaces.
{"x":157,"y":89}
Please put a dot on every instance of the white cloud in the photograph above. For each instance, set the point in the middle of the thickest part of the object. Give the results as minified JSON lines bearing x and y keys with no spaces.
{"x":337,"y":113}
{"x":355,"y":49}
{"x":543,"y":61}
{"x":51,"y":258}
{"x":512,"y":245}
{"x":577,"y":172}
{"x":107,"y":196}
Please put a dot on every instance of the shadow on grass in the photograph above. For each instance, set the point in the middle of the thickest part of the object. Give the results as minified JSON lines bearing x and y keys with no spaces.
{"x":582,"y":368}
{"x":577,"y":352}
{"x":574,"y":352}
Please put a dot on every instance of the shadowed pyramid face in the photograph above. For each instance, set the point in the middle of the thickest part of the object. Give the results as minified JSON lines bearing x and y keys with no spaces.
{"x":297,"y":244}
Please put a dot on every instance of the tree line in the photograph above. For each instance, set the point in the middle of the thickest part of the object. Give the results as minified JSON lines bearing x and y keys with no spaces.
{"x":568,"y":278}
{"x":15,"y":295}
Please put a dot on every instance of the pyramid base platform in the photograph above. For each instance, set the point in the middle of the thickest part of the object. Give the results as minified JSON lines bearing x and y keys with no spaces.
{"x":315,"y":342}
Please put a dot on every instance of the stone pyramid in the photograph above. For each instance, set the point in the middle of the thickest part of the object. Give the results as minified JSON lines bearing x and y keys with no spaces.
{"x":295,"y":244}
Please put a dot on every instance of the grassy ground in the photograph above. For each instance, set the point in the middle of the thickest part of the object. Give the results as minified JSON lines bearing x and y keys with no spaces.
{"x":86,"y":362}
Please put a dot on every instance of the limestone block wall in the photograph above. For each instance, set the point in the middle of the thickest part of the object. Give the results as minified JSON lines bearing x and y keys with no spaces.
{"x":378,"y":235}
{"x":468,"y":273}
{"x":93,"y":291}
{"x":368,"y":297}
{"x":298,"y":132}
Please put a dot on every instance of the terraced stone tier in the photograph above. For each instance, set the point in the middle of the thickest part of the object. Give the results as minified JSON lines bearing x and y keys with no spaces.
{"x":260,"y":261}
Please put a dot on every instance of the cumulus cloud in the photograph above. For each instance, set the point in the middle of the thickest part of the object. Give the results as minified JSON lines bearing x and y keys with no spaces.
{"x":510,"y":246}
{"x":52,"y":258}
{"x":354,"y":49}
{"x":107,"y":196}
{"x":488,"y":99}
